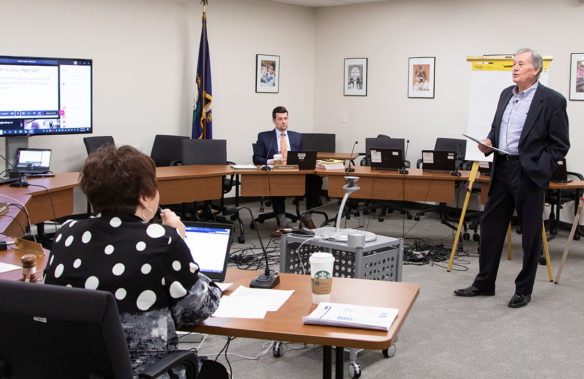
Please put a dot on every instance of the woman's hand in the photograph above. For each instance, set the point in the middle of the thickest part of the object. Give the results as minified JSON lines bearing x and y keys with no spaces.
{"x":170,"y":218}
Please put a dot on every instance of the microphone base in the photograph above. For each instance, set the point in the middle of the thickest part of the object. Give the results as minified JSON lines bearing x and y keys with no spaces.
{"x":263,"y":281}
{"x":349,"y":169}
{"x":20,"y":183}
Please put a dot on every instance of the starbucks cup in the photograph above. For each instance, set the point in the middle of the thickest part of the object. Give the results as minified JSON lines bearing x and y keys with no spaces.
{"x":321,"y":273}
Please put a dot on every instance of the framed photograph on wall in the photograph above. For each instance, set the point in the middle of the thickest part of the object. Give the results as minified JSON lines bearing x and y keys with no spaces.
{"x":421,"y":77}
{"x":267,"y":73}
{"x":355,"y":77}
{"x":577,"y":77}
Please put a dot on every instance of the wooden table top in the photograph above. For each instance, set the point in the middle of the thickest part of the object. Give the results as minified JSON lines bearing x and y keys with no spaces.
{"x":286,"y":324}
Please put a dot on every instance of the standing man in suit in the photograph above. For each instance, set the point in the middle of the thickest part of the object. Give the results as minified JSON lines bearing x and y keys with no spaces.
{"x":531,"y":124}
{"x":280,"y":140}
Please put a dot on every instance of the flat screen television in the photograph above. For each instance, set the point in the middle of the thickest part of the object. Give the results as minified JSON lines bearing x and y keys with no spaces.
{"x":40,"y":96}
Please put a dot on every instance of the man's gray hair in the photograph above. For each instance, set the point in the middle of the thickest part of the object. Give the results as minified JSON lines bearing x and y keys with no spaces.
{"x":536,"y":58}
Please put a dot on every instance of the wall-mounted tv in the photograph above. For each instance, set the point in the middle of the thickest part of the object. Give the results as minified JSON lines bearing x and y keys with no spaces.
{"x":40,"y":96}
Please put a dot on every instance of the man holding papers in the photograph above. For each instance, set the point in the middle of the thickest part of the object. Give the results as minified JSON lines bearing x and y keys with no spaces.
{"x":531,"y":124}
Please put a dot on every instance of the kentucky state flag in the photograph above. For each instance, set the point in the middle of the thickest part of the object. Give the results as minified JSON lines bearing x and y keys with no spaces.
{"x":202,"y":112}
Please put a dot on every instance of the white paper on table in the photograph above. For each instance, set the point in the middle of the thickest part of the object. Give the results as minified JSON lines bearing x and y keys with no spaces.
{"x":223,"y":286}
{"x":251,"y":303}
{"x":274,"y":299}
{"x":239,"y":308}
{"x":5,"y":267}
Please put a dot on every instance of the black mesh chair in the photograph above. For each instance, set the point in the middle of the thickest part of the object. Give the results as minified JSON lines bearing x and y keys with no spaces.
{"x":451,"y":216}
{"x":387,"y":206}
{"x":166,"y":149}
{"x":321,"y":142}
{"x":49,"y":331}
{"x":556,"y":198}
{"x":95,"y":142}
{"x":212,"y":152}
{"x":266,"y":201}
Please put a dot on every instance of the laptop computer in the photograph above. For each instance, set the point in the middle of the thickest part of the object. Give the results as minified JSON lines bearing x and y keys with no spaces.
{"x":306,"y":160}
{"x":438,"y":161}
{"x":387,"y":159}
{"x":32,"y":161}
{"x":209,"y":244}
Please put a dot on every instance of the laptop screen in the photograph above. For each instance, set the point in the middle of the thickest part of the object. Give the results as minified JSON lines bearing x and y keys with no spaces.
{"x":33,"y":160}
{"x":386,"y":159}
{"x":209,"y":244}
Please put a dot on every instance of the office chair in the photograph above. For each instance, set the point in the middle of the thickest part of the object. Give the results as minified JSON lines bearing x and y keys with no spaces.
{"x":321,"y":142}
{"x":268,"y":215}
{"x":49,"y":331}
{"x":385,"y":142}
{"x":95,"y":142}
{"x":558,"y":197}
{"x":212,"y":152}
{"x":450,"y":216}
{"x":166,"y":149}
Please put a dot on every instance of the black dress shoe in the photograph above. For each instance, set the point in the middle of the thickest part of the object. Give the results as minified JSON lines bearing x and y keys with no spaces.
{"x":518,"y":301}
{"x":473,"y":291}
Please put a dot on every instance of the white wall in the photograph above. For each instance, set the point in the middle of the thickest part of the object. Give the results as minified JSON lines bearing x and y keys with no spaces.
{"x":145,"y":55}
{"x":450,"y":30}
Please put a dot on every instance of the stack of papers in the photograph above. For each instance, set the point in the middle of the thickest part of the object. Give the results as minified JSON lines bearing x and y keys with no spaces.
{"x":251,"y":302}
{"x":352,"y":316}
{"x":243,"y":166}
{"x":330,"y":164}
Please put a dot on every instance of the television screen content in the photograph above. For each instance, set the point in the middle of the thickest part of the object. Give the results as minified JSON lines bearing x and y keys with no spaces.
{"x":45,"y":95}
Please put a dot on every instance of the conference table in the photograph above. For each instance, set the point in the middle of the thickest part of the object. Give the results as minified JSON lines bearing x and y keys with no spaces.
{"x":286,"y":323}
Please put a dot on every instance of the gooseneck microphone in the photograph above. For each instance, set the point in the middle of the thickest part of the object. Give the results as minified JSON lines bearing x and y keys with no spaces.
{"x":266,"y":167}
{"x":404,"y":170}
{"x":349,"y":168}
{"x":267,"y":279}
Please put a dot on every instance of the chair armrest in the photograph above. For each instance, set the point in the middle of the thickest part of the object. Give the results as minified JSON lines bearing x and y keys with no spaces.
{"x":576,"y":174}
{"x":407,"y":163}
{"x":419,"y":163}
{"x":175,"y":163}
{"x":365,"y":162}
{"x":183,"y":358}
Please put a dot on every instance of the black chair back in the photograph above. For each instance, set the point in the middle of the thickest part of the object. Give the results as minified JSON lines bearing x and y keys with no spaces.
{"x":320,"y":142}
{"x":204,"y":151}
{"x":453,"y":144}
{"x":49,"y":331}
{"x":166,"y":149}
{"x":95,"y":142}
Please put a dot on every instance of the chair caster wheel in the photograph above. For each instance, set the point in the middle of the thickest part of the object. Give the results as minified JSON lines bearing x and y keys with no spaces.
{"x":277,"y":349}
{"x":577,"y":237}
{"x":466,"y":236}
{"x":241,"y":239}
{"x":476,"y":237}
{"x":354,"y":370}
{"x":542,"y":261}
{"x":380,"y":219}
{"x":409,"y":216}
{"x":416,"y":218}
{"x":388,"y":353}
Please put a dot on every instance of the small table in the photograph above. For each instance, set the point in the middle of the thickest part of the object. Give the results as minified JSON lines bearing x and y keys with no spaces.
{"x":286,"y":324}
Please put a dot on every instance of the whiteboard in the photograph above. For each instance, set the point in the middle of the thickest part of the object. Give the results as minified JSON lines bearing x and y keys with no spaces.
{"x":488,"y":79}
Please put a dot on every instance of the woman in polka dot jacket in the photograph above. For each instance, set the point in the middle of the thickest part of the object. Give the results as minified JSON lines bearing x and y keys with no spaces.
{"x":148,"y":267}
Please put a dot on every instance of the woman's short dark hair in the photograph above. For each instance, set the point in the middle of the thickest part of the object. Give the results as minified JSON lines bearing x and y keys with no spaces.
{"x":114,"y":179}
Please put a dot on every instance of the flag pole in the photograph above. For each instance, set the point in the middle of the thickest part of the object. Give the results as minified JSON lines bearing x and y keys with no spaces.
{"x":204,"y":79}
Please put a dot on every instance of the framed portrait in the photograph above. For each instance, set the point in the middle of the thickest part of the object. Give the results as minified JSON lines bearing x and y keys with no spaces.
{"x":421,"y":73}
{"x":267,"y":73}
{"x":355,"y":77}
{"x":577,"y":77}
